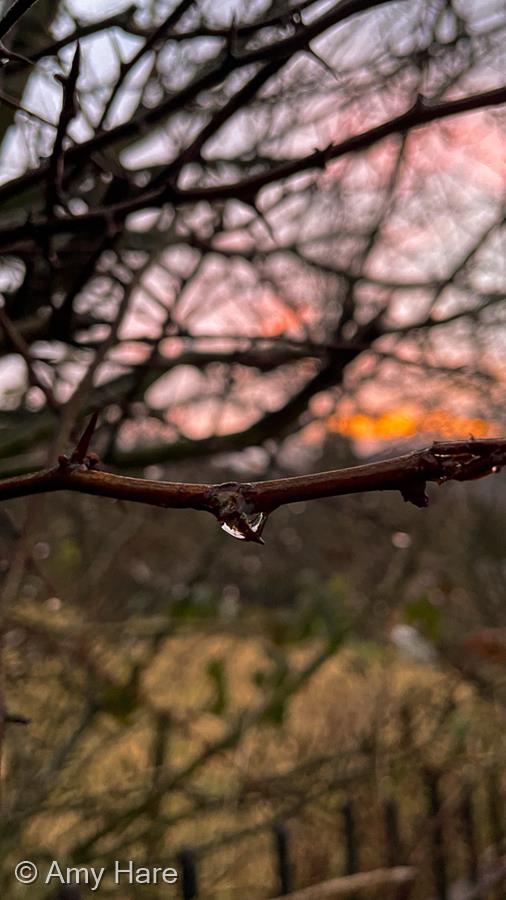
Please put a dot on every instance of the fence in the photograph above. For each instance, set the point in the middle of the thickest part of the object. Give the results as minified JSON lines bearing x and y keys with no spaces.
{"x":484,"y":869}
{"x":449,"y":830}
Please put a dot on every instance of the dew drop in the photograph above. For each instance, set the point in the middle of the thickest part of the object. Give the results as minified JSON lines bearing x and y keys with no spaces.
{"x":257,"y":521}
{"x":246,"y":527}
{"x":233,"y":530}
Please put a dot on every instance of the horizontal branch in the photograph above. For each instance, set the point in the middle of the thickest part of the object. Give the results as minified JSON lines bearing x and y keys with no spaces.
{"x":112,"y":217}
{"x":421,"y":113}
{"x":225,"y":63}
{"x":242,"y":508}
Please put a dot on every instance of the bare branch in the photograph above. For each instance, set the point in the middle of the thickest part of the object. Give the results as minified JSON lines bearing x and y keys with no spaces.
{"x":19,"y":344}
{"x":113,"y":216}
{"x":68,"y":111}
{"x":226,"y":63}
{"x":242,"y":508}
{"x":18,"y":9}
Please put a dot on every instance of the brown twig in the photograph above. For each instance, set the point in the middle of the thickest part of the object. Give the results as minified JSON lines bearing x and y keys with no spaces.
{"x":242,"y":508}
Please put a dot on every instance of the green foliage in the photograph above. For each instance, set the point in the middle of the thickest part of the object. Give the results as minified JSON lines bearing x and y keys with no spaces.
{"x":425,"y":616}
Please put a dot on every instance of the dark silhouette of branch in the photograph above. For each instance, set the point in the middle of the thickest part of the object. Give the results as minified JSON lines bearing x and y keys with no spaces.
{"x":227,"y":62}
{"x":19,"y":344}
{"x":68,"y":111}
{"x":117,"y":20}
{"x":18,"y":9}
{"x":242,"y":508}
{"x":111,"y":218}
{"x":154,"y":38}
{"x":420,"y":114}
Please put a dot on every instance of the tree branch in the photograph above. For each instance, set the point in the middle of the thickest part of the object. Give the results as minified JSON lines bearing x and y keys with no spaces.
{"x":68,"y":111}
{"x":18,"y":9}
{"x":111,"y":218}
{"x":19,"y":344}
{"x":225,"y":64}
{"x":242,"y":508}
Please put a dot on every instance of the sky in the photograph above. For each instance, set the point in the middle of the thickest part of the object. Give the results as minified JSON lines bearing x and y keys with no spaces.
{"x":461,"y":162}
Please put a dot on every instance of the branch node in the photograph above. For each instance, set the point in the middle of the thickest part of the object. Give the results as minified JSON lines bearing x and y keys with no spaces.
{"x":235,"y":514}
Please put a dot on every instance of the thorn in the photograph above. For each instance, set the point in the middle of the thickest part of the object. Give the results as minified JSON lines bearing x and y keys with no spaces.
{"x":80,"y":453}
{"x":322,"y":62}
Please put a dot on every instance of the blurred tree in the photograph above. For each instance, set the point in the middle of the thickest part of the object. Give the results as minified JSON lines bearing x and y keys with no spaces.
{"x":177,"y":253}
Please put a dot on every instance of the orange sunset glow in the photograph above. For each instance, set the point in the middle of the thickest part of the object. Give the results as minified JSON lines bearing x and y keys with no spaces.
{"x":406,"y":422}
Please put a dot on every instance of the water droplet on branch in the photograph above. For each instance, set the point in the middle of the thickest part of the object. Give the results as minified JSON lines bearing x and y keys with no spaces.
{"x":236,"y":513}
{"x":246,"y":527}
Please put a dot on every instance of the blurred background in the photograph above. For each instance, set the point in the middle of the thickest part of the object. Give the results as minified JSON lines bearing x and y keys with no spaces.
{"x":179,"y":255}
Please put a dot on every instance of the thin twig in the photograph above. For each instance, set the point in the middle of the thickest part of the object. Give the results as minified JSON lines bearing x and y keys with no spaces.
{"x":68,"y":111}
{"x":114,"y":215}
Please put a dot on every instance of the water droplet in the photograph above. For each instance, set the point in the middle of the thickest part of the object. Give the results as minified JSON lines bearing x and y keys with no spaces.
{"x":233,"y":530}
{"x":245,"y":527}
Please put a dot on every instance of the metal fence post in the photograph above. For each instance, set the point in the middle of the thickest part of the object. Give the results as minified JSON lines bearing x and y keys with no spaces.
{"x":187,"y":870}
{"x":469,"y":833}
{"x":350,"y":839}
{"x":436,"y":832}
{"x":282,"y":858}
